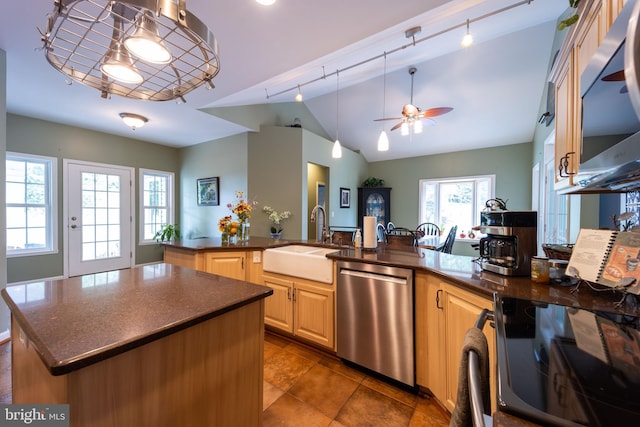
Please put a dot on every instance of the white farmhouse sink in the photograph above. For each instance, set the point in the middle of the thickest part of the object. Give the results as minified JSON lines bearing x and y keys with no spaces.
{"x":308,"y":262}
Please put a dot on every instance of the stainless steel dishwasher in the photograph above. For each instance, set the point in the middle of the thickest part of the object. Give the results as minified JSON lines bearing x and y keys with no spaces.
{"x":375,"y":324}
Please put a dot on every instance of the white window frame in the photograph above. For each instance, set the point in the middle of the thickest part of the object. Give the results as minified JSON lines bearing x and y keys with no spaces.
{"x":170,"y":202}
{"x":51,"y":204}
{"x":422,"y":214}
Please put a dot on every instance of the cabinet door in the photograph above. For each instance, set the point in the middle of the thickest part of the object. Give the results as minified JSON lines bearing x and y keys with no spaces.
{"x":462,"y":309}
{"x":225,"y":263}
{"x":565,"y":153}
{"x":179,"y":256}
{"x":430,"y":360}
{"x":278,"y":308}
{"x":313,"y":309}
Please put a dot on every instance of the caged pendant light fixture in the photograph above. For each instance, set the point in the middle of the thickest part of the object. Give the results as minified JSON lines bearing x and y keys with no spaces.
{"x":141,"y":49}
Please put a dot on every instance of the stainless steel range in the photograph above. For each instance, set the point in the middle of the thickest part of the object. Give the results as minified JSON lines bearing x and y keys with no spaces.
{"x":564,"y":366}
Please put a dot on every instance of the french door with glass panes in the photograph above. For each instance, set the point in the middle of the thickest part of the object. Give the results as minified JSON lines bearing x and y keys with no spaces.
{"x":98,"y":217}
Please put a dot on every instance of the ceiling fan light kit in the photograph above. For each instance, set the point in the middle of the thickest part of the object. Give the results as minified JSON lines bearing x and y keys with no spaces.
{"x":413,"y":117}
{"x":141,"y":49}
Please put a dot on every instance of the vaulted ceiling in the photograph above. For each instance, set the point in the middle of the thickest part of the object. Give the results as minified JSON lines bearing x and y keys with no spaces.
{"x":494,"y":87}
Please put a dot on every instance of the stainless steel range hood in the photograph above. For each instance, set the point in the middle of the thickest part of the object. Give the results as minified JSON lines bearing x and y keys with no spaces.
{"x":614,"y":170}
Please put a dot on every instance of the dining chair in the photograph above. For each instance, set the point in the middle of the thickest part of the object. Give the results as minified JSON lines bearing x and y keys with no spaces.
{"x":390,"y":226}
{"x":427,"y":229}
{"x":401,"y":237}
{"x":381,"y":232}
{"x":447,"y":246}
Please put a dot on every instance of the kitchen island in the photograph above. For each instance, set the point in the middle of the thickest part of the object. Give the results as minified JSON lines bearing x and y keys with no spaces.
{"x":156,"y":345}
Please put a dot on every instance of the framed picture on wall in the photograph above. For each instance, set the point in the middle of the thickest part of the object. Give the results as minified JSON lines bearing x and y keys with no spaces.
{"x":208,"y":190}
{"x":345,"y":197}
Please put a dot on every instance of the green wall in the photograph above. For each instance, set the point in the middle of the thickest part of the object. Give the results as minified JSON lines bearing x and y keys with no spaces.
{"x":33,"y":136}
{"x":225,"y":158}
{"x":510,"y":163}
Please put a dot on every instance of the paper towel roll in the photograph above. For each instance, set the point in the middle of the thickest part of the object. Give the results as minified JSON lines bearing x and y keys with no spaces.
{"x":369,"y":234}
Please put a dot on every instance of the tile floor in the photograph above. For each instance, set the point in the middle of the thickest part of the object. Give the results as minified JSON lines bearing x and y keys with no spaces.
{"x":307,"y":387}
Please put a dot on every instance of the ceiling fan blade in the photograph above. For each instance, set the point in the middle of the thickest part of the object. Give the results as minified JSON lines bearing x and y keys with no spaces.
{"x":387,"y":118}
{"x":618,"y":76}
{"x":397,"y":126}
{"x":434,"y":112}
{"x":428,"y":122}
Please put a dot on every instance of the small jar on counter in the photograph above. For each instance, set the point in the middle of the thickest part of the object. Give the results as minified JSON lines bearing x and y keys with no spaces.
{"x":540,"y":269}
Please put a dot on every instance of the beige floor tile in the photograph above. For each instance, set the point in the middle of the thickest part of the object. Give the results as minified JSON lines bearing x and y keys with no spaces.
{"x":291,"y":412}
{"x":336,"y":364}
{"x":304,"y":351}
{"x":270,"y":349}
{"x":270,"y":394}
{"x":283,"y":369}
{"x":388,"y":390}
{"x":324,"y":389}
{"x":367,"y":407}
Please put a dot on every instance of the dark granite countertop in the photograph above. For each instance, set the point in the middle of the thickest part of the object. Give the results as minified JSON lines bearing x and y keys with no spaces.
{"x":458,"y":269}
{"x":82,"y":320}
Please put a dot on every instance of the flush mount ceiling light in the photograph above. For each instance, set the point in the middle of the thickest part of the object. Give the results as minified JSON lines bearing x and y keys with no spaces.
{"x":134,"y":121}
{"x":266,"y":2}
{"x":104,"y":44}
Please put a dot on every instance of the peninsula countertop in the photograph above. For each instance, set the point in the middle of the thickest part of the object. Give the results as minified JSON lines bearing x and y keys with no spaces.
{"x":461,"y":270}
{"x":79,"y":321}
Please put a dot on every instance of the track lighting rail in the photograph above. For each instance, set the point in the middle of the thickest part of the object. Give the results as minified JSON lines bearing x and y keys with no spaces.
{"x":410,"y":33}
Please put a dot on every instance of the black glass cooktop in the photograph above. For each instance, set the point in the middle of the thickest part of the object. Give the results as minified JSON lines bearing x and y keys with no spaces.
{"x":564,"y":366}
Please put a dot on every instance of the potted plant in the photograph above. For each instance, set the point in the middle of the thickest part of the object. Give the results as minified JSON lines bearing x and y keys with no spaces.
{"x":373,"y":182}
{"x":167,"y":232}
{"x":276,"y":219}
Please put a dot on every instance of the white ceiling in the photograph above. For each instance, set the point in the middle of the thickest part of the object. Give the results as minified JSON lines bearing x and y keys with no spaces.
{"x":495,"y":86}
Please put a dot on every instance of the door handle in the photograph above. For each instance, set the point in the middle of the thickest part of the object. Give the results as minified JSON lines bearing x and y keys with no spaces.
{"x":438,"y":293}
{"x":74,"y":226}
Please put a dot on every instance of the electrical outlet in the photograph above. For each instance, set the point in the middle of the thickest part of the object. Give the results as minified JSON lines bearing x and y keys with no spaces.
{"x":257,"y":257}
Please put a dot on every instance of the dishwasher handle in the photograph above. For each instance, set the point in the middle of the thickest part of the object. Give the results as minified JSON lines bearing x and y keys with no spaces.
{"x":374,"y":276}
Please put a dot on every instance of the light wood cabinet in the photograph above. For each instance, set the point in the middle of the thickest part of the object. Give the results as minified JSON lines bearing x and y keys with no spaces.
{"x":241,"y":265}
{"x":226,"y":263}
{"x":301,"y":307}
{"x":584,"y":38}
{"x":444,"y":313}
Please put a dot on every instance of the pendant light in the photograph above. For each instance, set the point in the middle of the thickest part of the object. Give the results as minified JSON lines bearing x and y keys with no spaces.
{"x":145,"y":43}
{"x":336,"y":152}
{"x":467,"y":40}
{"x":119,"y":66}
{"x":383,"y":139}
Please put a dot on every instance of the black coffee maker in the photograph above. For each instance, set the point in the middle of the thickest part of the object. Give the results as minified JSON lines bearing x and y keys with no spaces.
{"x":511,"y":241}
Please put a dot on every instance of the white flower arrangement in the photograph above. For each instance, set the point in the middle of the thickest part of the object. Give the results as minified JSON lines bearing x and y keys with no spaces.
{"x":276,"y":218}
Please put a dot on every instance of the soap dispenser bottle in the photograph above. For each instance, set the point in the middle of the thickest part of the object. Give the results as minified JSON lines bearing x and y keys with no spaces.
{"x":358,"y":239}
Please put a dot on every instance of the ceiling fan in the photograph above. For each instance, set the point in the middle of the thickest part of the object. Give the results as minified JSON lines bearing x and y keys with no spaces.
{"x":412,"y":114}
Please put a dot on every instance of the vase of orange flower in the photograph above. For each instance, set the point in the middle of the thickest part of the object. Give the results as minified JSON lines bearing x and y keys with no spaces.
{"x":242,"y":208}
{"x":229,"y":229}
